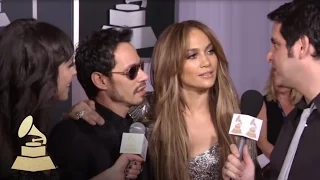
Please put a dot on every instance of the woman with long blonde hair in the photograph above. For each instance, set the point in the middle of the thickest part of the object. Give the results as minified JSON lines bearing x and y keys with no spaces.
{"x":194,"y":104}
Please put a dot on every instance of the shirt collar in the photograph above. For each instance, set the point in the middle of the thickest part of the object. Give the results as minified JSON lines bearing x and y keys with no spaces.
{"x":316,"y":102}
{"x":112,"y":118}
{"x":302,"y":104}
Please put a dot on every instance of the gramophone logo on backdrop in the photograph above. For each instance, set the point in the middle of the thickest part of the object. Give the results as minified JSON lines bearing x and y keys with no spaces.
{"x":33,"y":155}
{"x":4,"y":20}
{"x":130,"y":15}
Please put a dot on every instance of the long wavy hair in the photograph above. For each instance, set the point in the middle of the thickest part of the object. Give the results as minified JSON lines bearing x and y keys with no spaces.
{"x":272,"y":95}
{"x":169,"y":144}
{"x":30,"y":55}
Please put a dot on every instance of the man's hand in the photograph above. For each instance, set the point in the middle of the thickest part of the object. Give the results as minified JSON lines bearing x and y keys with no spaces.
{"x":128,"y":166}
{"x":89,"y":112}
{"x":235,"y":169}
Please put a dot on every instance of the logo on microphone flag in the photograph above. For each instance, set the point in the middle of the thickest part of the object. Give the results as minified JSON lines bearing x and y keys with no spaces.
{"x":246,"y":126}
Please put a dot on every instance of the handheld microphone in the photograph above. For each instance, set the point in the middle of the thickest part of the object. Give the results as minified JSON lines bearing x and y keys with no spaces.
{"x":135,"y":141}
{"x":138,"y":128}
{"x":250,"y":104}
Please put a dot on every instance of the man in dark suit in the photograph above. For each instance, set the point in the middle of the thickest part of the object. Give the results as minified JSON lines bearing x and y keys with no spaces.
{"x":109,"y":70}
{"x":295,"y":56}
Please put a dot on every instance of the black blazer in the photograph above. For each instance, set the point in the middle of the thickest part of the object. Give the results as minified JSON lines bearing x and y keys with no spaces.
{"x":308,"y":150}
{"x":82,"y":151}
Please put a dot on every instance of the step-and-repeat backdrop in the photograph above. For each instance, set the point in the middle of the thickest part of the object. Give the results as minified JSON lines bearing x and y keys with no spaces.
{"x":147,"y":18}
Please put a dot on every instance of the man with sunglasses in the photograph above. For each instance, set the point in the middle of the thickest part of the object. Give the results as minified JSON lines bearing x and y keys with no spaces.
{"x":111,"y":73}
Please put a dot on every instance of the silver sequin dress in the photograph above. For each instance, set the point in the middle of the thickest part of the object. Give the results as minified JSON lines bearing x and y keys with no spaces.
{"x":206,"y":166}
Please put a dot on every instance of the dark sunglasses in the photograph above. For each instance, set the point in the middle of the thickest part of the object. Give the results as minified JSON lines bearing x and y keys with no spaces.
{"x":133,"y":71}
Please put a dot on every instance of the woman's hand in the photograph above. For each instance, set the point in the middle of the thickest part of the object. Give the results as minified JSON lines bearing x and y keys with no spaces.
{"x":85,"y":110}
{"x":128,"y":166}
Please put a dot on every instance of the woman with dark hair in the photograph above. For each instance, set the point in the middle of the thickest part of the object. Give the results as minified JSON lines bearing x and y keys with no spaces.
{"x":36,"y":69}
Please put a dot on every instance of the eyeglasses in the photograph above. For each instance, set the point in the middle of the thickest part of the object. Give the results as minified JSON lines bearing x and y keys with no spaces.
{"x":132,"y":72}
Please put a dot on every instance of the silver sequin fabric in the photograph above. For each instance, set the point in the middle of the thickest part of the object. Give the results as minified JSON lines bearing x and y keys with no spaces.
{"x":206,"y":166}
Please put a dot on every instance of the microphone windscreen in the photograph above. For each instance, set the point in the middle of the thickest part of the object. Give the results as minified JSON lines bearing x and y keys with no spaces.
{"x":138,"y":128}
{"x":251,"y":103}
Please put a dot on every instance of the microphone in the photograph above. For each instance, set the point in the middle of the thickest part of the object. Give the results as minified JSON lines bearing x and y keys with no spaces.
{"x":138,"y":128}
{"x":250,"y":104}
{"x":135,"y":141}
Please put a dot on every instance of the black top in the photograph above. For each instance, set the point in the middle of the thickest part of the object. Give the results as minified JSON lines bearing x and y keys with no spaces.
{"x":305,"y":164}
{"x":275,"y":119}
{"x":24,"y":175}
{"x":82,"y":151}
{"x":275,"y":116}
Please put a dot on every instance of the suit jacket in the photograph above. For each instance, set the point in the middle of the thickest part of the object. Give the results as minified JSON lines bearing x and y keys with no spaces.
{"x":82,"y":151}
